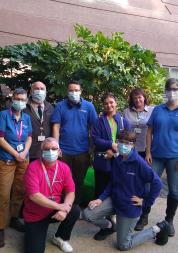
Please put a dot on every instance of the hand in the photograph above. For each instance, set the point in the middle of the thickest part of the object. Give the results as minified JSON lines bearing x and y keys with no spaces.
{"x":65,"y":207}
{"x":60,"y":216}
{"x":115,"y":147}
{"x":148,"y":158}
{"x":92,"y":204}
{"x":109,"y":154}
{"x":18,"y":158}
{"x":137,"y":201}
{"x":23,"y":155}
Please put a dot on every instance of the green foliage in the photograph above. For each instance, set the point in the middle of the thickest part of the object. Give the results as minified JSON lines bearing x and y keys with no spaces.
{"x":103,"y":64}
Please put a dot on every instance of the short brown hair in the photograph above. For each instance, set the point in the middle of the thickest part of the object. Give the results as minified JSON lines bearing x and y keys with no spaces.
{"x":126,"y":135}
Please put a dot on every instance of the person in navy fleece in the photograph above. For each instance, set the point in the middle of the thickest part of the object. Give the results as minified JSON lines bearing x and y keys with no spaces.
{"x":125,"y":195}
{"x":104,"y":136}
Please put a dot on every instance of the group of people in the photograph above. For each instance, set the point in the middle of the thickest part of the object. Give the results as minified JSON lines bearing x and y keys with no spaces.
{"x":44,"y":156}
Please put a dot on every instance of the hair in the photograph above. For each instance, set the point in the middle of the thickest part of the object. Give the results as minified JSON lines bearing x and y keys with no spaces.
{"x":34,"y":83}
{"x":108,"y":95}
{"x":169,"y":83}
{"x":136,"y":92}
{"x":126,"y":135}
{"x":19,"y":91}
{"x":47,"y":140}
{"x":73,"y":82}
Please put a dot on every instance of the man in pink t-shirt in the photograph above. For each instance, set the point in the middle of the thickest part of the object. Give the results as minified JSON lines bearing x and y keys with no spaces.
{"x":49,"y":198}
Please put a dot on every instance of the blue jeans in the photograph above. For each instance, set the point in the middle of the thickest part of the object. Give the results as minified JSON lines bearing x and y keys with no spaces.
{"x":126,"y":239}
{"x":159,"y":164}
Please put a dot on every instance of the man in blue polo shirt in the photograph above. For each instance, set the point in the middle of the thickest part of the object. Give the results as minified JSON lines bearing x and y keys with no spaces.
{"x":72,"y":120}
{"x":15,"y":142}
{"x":162,"y":146}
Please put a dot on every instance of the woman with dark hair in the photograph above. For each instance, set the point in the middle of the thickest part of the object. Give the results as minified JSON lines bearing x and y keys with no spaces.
{"x":138,"y":115}
{"x":162,"y":146}
{"x":104,"y":135}
{"x":15,"y":142}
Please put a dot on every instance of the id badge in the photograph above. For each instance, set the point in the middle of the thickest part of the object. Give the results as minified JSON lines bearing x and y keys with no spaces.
{"x":138,"y":130}
{"x":41,"y":138}
{"x":20,"y":147}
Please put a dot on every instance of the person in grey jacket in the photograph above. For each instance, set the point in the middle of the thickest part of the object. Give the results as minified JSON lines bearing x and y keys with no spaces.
{"x":40,"y":112}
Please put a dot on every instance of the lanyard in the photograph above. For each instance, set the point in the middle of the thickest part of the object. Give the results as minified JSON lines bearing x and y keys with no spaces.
{"x":19,"y":133}
{"x":47,"y":177}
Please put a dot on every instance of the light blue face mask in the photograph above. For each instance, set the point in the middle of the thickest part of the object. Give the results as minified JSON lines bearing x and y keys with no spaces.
{"x":39,"y":96}
{"x":124,"y":149}
{"x":18,"y":105}
{"x":50,"y":155}
{"x":74,"y":96}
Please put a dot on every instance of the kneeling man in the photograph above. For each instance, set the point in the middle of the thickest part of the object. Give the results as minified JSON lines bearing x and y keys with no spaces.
{"x":49,"y":198}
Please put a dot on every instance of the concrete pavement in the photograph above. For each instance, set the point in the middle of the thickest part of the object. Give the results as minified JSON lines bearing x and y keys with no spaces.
{"x":83,"y":232}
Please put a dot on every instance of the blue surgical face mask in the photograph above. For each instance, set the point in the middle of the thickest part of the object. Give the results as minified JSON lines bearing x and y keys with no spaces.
{"x":74,"y":96}
{"x":171,"y":96}
{"x":39,"y":96}
{"x":18,"y":105}
{"x":50,"y":155}
{"x":124,"y":149}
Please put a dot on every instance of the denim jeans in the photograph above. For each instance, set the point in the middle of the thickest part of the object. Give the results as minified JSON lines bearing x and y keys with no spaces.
{"x":126,"y":239}
{"x":159,"y":164}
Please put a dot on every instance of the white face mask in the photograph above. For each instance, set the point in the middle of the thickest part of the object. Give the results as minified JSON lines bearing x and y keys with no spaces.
{"x":39,"y":96}
{"x":18,"y":105}
{"x":171,"y":96}
{"x":74,"y":96}
{"x":50,"y":155}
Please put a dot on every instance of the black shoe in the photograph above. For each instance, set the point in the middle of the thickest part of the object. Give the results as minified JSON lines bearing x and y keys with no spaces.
{"x":162,"y":236}
{"x":2,"y":238}
{"x":17,"y":224}
{"x":103,"y":234}
{"x":171,"y":230}
{"x":143,"y":221}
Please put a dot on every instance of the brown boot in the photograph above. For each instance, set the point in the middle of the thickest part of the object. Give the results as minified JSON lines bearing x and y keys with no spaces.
{"x":2,"y":238}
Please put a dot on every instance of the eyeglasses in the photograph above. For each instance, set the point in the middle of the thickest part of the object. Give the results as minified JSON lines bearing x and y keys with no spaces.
{"x":172,"y":89}
{"x":126,"y":142}
{"x":46,"y":149}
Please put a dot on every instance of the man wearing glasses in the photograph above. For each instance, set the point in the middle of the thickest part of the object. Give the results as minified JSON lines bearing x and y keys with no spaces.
{"x":49,"y":198}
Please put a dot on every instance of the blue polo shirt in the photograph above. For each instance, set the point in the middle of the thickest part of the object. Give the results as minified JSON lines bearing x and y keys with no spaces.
{"x":8,"y":125}
{"x":164,"y":123}
{"x":75,"y":122}
{"x":128,"y":178}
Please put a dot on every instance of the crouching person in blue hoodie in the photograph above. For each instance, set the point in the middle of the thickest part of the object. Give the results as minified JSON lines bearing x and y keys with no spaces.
{"x":125,"y":196}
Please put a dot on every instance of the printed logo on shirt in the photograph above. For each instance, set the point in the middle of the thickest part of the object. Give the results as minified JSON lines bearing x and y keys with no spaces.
{"x":25,"y":126}
{"x":83,"y":110}
{"x":131,"y":173}
{"x":58,"y":181}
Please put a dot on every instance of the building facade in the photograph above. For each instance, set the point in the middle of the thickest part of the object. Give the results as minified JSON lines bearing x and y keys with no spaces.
{"x":151,"y":23}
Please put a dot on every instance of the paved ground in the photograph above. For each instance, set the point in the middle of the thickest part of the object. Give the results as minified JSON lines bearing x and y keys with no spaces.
{"x":82,"y":241}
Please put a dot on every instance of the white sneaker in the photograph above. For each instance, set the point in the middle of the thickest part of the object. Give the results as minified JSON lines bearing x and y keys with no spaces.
{"x":63,"y":245}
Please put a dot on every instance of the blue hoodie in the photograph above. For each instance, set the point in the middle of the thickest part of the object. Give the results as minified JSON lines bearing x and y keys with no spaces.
{"x":128,"y":178}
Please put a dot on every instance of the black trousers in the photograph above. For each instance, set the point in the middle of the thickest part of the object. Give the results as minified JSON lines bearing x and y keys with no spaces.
{"x":78,"y":165}
{"x":101,"y":181}
{"x":35,"y":234}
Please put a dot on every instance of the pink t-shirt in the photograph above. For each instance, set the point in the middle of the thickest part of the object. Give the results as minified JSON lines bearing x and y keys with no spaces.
{"x":35,"y":182}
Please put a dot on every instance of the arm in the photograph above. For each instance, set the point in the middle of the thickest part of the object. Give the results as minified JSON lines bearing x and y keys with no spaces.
{"x":55,"y":131}
{"x":8,"y":148}
{"x":148,"y":145}
{"x":27,"y":147}
{"x":99,"y":142}
{"x":41,"y":200}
